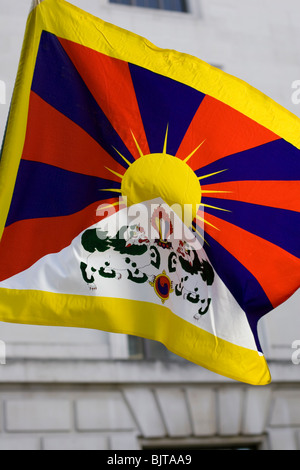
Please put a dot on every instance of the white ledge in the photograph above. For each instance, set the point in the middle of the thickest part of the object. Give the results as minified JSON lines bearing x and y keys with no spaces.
{"x":124,"y":372}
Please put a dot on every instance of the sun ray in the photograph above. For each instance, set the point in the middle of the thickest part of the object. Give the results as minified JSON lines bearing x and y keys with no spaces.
{"x":206,"y":222}
{"x":193,"y":152}
{"x":201,"y":236}
{"x":115,"y":173}
{"x":166,"y":141}
{"x":122,"y":156}
{"x":205,"y":191}
{"x":109,"y":206}
{"x":212,"y":174}
{"x":113,"y":190}
{"x":137,"y":145}
{"x":213,"y":207}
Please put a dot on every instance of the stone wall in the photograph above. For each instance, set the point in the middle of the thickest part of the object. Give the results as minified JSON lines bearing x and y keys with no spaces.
{"x":100,"y":405}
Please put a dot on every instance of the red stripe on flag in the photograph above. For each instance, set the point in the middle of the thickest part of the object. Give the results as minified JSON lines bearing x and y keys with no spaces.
{"x":109,"y":81}
{"x":277,"y":271}
{"x":54,"y":139}
{"x":36,"y":238}
{"x":224,"y":131}
{"x":278,"y":194}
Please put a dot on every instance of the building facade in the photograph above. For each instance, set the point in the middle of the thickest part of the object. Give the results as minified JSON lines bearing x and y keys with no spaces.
{"x":63,"y":388}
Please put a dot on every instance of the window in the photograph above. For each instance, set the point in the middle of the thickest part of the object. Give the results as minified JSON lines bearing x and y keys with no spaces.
{"x":191,"y":444}
{"x":145,"y":349}
{"x":172,"y":5}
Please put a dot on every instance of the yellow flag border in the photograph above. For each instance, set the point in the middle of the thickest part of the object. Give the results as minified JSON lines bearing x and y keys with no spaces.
{"x":155,"y":322}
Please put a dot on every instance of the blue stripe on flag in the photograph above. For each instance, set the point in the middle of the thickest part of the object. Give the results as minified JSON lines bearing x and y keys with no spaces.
{"x":57,"y":81}
{"x":241,"y":283}
{"x":278,"y":226}
{"x":274,"y":161}
{"x":43,"y":190}
{"x":164,"y":102}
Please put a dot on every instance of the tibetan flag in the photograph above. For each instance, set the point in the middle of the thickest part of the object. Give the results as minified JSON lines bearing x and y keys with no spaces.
{"x":145,"y":192}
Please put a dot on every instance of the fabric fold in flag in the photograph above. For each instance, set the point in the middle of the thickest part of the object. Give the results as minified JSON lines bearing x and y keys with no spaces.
{"x":145,"y":192}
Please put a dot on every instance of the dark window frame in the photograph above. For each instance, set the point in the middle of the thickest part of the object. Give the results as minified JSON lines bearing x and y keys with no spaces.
{"x":166,"y":5}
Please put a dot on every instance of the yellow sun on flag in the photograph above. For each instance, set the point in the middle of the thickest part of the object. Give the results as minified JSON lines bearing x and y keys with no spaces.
{"x":160,"y":175}
{"x":165,"y":176}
